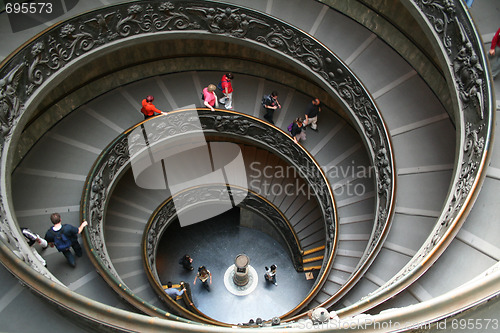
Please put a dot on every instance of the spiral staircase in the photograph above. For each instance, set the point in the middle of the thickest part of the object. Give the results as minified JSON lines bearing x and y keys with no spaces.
{"x":426,"y":257}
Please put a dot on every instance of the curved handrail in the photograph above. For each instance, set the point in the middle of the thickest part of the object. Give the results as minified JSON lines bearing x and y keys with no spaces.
{"x":115,"y":159}
{"x":51,"y":52}
{"x":465,"y":66}
{"x":424,"y":316}
{"x":94,"y":313}
{"x":167,"y":212}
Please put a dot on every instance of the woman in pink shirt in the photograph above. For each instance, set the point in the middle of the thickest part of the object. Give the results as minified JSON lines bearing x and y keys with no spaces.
{"x":210,"y":98}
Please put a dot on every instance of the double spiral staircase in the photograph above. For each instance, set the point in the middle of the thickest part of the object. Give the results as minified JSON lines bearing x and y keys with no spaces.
{"x":402,"y":224}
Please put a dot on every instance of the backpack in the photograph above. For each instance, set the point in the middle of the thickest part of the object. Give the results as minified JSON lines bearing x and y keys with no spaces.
{"x":289,"y":128}
{"x":202,"y":96}
{"x":61,"y":241}
{"x":219,"y":85}
{"x":266,"y":100}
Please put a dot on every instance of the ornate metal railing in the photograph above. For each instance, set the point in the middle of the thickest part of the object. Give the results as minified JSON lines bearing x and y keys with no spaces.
{"x":465,"y":67}
{"x":116,"y":158}
{"x":42,"y":62}
{"x":200,"y":196}
{"x":215,"y":193}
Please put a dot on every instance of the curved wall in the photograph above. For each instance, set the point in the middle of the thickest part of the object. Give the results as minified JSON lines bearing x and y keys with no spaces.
{"x":123,"y":63}
{"x":482,"y":161}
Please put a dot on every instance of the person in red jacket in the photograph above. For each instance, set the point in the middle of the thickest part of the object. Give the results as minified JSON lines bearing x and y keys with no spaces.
{"x":227,"y":90}
{"x":148,"y":109}
{"x":494,"y":56}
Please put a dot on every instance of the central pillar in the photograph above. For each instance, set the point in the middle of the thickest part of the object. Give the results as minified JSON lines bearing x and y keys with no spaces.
{"x":240,"y":277}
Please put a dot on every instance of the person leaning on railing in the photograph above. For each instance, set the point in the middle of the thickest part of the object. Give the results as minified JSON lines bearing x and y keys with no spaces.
{"x":173,"y":292}
{"x":209,"y":97}
{"x":148,"y":109}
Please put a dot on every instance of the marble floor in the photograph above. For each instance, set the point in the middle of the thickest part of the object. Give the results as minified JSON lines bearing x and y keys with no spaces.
{"x":215,"y":243}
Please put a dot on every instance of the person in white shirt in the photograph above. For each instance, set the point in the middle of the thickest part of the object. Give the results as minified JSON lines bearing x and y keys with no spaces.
{"x":33,"y":238}
{"x":271,"y":274}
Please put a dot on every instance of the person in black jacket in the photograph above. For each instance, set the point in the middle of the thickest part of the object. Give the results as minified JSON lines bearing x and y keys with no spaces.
{"x":312,"y":114}
{"x":64,"y":237}
{"x":187,"y":262}
{"x":270,"y":103}
{"x":298,"y":130}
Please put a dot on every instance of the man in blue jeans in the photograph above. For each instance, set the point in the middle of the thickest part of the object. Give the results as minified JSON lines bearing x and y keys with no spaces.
{"x":64,"y":236}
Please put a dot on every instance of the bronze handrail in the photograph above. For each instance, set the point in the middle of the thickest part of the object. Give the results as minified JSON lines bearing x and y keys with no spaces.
{"x":152,"y":235}
{"x":115,"y":158}
{"x":292,"y":240}
{"x":461,"y":52}
{"x":34,"y":82}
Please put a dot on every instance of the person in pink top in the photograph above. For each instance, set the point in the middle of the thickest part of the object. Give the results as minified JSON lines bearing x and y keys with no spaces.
{"x":494,"y":56}
{"x":209,"y":97}
{"x":227,"y":90}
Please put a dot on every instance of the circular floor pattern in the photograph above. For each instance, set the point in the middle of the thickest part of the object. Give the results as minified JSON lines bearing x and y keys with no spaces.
{"x":215,"y":243}
{"x":253,"y":280}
